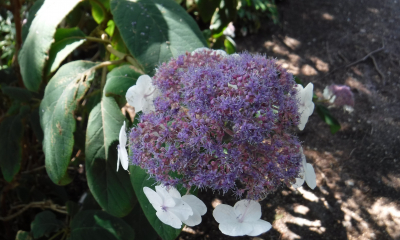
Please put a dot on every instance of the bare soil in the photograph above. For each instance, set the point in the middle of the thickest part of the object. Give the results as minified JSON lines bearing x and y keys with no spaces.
{"x":358,"y":172}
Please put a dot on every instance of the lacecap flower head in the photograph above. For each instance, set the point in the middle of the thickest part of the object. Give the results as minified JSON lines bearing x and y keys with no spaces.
{"x":221,"y":121}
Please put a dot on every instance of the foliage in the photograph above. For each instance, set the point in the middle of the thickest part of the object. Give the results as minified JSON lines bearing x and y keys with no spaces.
{"x":61,"y":95}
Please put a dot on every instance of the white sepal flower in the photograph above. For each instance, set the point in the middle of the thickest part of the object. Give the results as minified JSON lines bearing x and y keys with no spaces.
{"x":307,"y":174}
{"x":122,"y":153}
{"x":305,"y":104}
{"x":198,"y":208}
{"x":242,"y":219}
{"x":170,"y":210}
{"x":142,"y":95}
{"x":204,"y":49}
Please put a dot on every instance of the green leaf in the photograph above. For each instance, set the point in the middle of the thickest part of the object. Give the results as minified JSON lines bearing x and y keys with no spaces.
{"x":66,"y":41}
{"x":45,"y":223}
{"x":110,"y":188}
{"x":99,"y":225}
{"x":97,"y":11}
{"x":33,"y":54}
{"x":16,"y":93}
{"x":140,"y":179}
{"x":229,"y":45}
{"x":207,"y":8}
{"x":61,"y":96}
{"x":119,"y":80}
{"x":226,"y":13}
{"x":22,"y":235}
{"x":327,"y":117}
{"x":138,"y":221}
{"x":31,"y":15}
{"x":156,"y":30}
{"x":11,"y":131}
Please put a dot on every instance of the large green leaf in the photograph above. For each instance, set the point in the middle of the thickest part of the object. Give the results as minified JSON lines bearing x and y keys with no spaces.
{"x":61,"y":96}
{"x":45,"y":223}
{"x":119,"y":80}
{"x":66,"y":41}
{"x":99,"y":225}
{"x":11,"y":130}
{"x":140,"y":179}
{"x":156,"y":30}
{"x":33,"y":54}
{"x":31,"y":15}
{"x":111,"y":189}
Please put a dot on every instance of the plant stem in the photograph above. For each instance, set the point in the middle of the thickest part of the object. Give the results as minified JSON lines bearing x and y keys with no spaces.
{"x":56,"y":235}
{"x":44,"y":204}
{"x":136,"y":66}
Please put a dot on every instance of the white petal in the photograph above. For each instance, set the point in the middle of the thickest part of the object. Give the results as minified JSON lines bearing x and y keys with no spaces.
{"x":182,"y":210}
{"x":167,"y":200}
{"x":135,"y":98}
{"x":327,"y":94}
{"x":118,"y":158}
{"x":259,"y":227}
{"x":310,"y":176}
{"x":169,"y":219}
{"x":303,"y":121}
{"x":299,"y":182}
{"x":195,"y":203}
{"x":236,"y":228}
{"x":220,"y":53}
{"x":193,"y":220}
{"x":308,"y":92}
{"x":224,"y":214}
{"x":247,"y":210}
{"x":232,"y":86}
{"x":123,"y":155}
{"x":173,"y":192}
{"x":145,"y":84}
{"x":122,"y":136}
{"x":153,"y":198}
{"x":200,"y":50}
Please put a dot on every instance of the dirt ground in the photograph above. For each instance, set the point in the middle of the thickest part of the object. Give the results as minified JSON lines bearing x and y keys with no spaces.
{"x":358,"y":178}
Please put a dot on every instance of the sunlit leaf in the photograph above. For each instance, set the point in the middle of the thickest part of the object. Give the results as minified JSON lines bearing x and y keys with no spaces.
{"x":66,"y":41}
{"x":207,"y":8}
{"x":154,"y":31}
{"x":34,"y":52}
{"x":62,"y":94}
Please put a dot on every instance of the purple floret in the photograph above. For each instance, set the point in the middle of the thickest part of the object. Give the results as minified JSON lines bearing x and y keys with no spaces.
{"x":209,"y":134}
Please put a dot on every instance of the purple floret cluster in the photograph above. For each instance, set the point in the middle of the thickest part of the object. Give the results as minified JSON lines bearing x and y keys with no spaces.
{"x":221,"y":122}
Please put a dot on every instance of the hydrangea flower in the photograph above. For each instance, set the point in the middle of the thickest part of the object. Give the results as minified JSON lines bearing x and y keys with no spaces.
{"x":340,"y":95}
{"x":305,"y":103}
{"x":170,"y":210}
{"x":142,"y":95}
{"x":221,"y":121}
{"x":122,"y":153}
{"x":241,"y":219}
{"x":307,"y":174}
